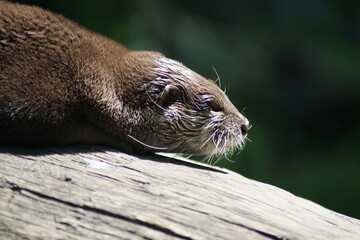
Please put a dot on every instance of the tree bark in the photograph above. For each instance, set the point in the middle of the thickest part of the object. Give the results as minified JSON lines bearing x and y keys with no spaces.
{"x":98,"y":193}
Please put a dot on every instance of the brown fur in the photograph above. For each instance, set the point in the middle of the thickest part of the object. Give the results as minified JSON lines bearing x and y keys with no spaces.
{"x":62,"y":84}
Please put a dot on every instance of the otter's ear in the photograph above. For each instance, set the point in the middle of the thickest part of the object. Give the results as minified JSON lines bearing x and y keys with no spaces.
{"x":169,"y":95}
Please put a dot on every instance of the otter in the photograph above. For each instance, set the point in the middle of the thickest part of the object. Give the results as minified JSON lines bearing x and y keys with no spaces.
{"x":62,"y":84}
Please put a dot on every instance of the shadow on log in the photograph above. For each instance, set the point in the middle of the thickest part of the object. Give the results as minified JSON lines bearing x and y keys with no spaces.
{"x":98,"y":193}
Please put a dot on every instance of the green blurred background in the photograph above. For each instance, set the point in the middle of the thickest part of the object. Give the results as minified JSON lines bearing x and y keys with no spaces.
{"x":294,"y":65}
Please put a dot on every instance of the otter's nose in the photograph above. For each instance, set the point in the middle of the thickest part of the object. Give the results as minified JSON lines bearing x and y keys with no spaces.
{"x":245,"y":127}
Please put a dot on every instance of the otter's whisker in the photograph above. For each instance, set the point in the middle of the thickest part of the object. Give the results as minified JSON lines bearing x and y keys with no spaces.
{"x":152,"y":100}
{"x":217,"y":76}
{"x":220,"y":138}
{"x":206,"y":159}
{"x":227,"y":158}
{"x":146,"y":145}
{"x":209,"y":159}
{"x":243,"y":111}
{"x":211,"y":136}
{"x":217,"y":160}
{"x":240,"y":144}
{"x":224,"y":143}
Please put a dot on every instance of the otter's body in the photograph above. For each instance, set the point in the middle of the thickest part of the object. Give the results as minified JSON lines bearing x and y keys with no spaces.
{"x":62,"y":84}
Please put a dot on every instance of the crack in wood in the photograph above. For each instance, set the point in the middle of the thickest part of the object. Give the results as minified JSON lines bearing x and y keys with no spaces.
{"x":164,"y":230}
{"x":264,"y":234}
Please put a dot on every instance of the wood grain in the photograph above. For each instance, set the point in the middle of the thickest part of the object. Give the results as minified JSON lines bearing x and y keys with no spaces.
{"x":98,"y":193}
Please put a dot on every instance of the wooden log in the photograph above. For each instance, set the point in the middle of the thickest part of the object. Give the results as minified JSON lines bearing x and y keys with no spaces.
{"x":99,"y":193}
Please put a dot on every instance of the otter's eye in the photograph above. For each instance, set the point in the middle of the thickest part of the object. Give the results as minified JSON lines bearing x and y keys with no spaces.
{"x":169,"y":95}
{"x":215,"y":106}
{"x":209,"y":106}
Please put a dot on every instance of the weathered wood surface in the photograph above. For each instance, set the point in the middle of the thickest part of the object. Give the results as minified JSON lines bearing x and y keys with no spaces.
{"x":97,"y":193}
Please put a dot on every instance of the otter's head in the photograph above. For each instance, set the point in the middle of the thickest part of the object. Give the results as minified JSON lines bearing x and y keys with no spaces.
{"x":183,"y":112}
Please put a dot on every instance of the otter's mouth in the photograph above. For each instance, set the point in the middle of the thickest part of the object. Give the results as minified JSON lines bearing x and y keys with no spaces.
{"x":222,"y":143}
{"x":224,"y":134}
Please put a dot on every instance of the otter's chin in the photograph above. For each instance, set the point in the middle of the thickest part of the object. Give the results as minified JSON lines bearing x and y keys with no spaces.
{"x":223,"y":145}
